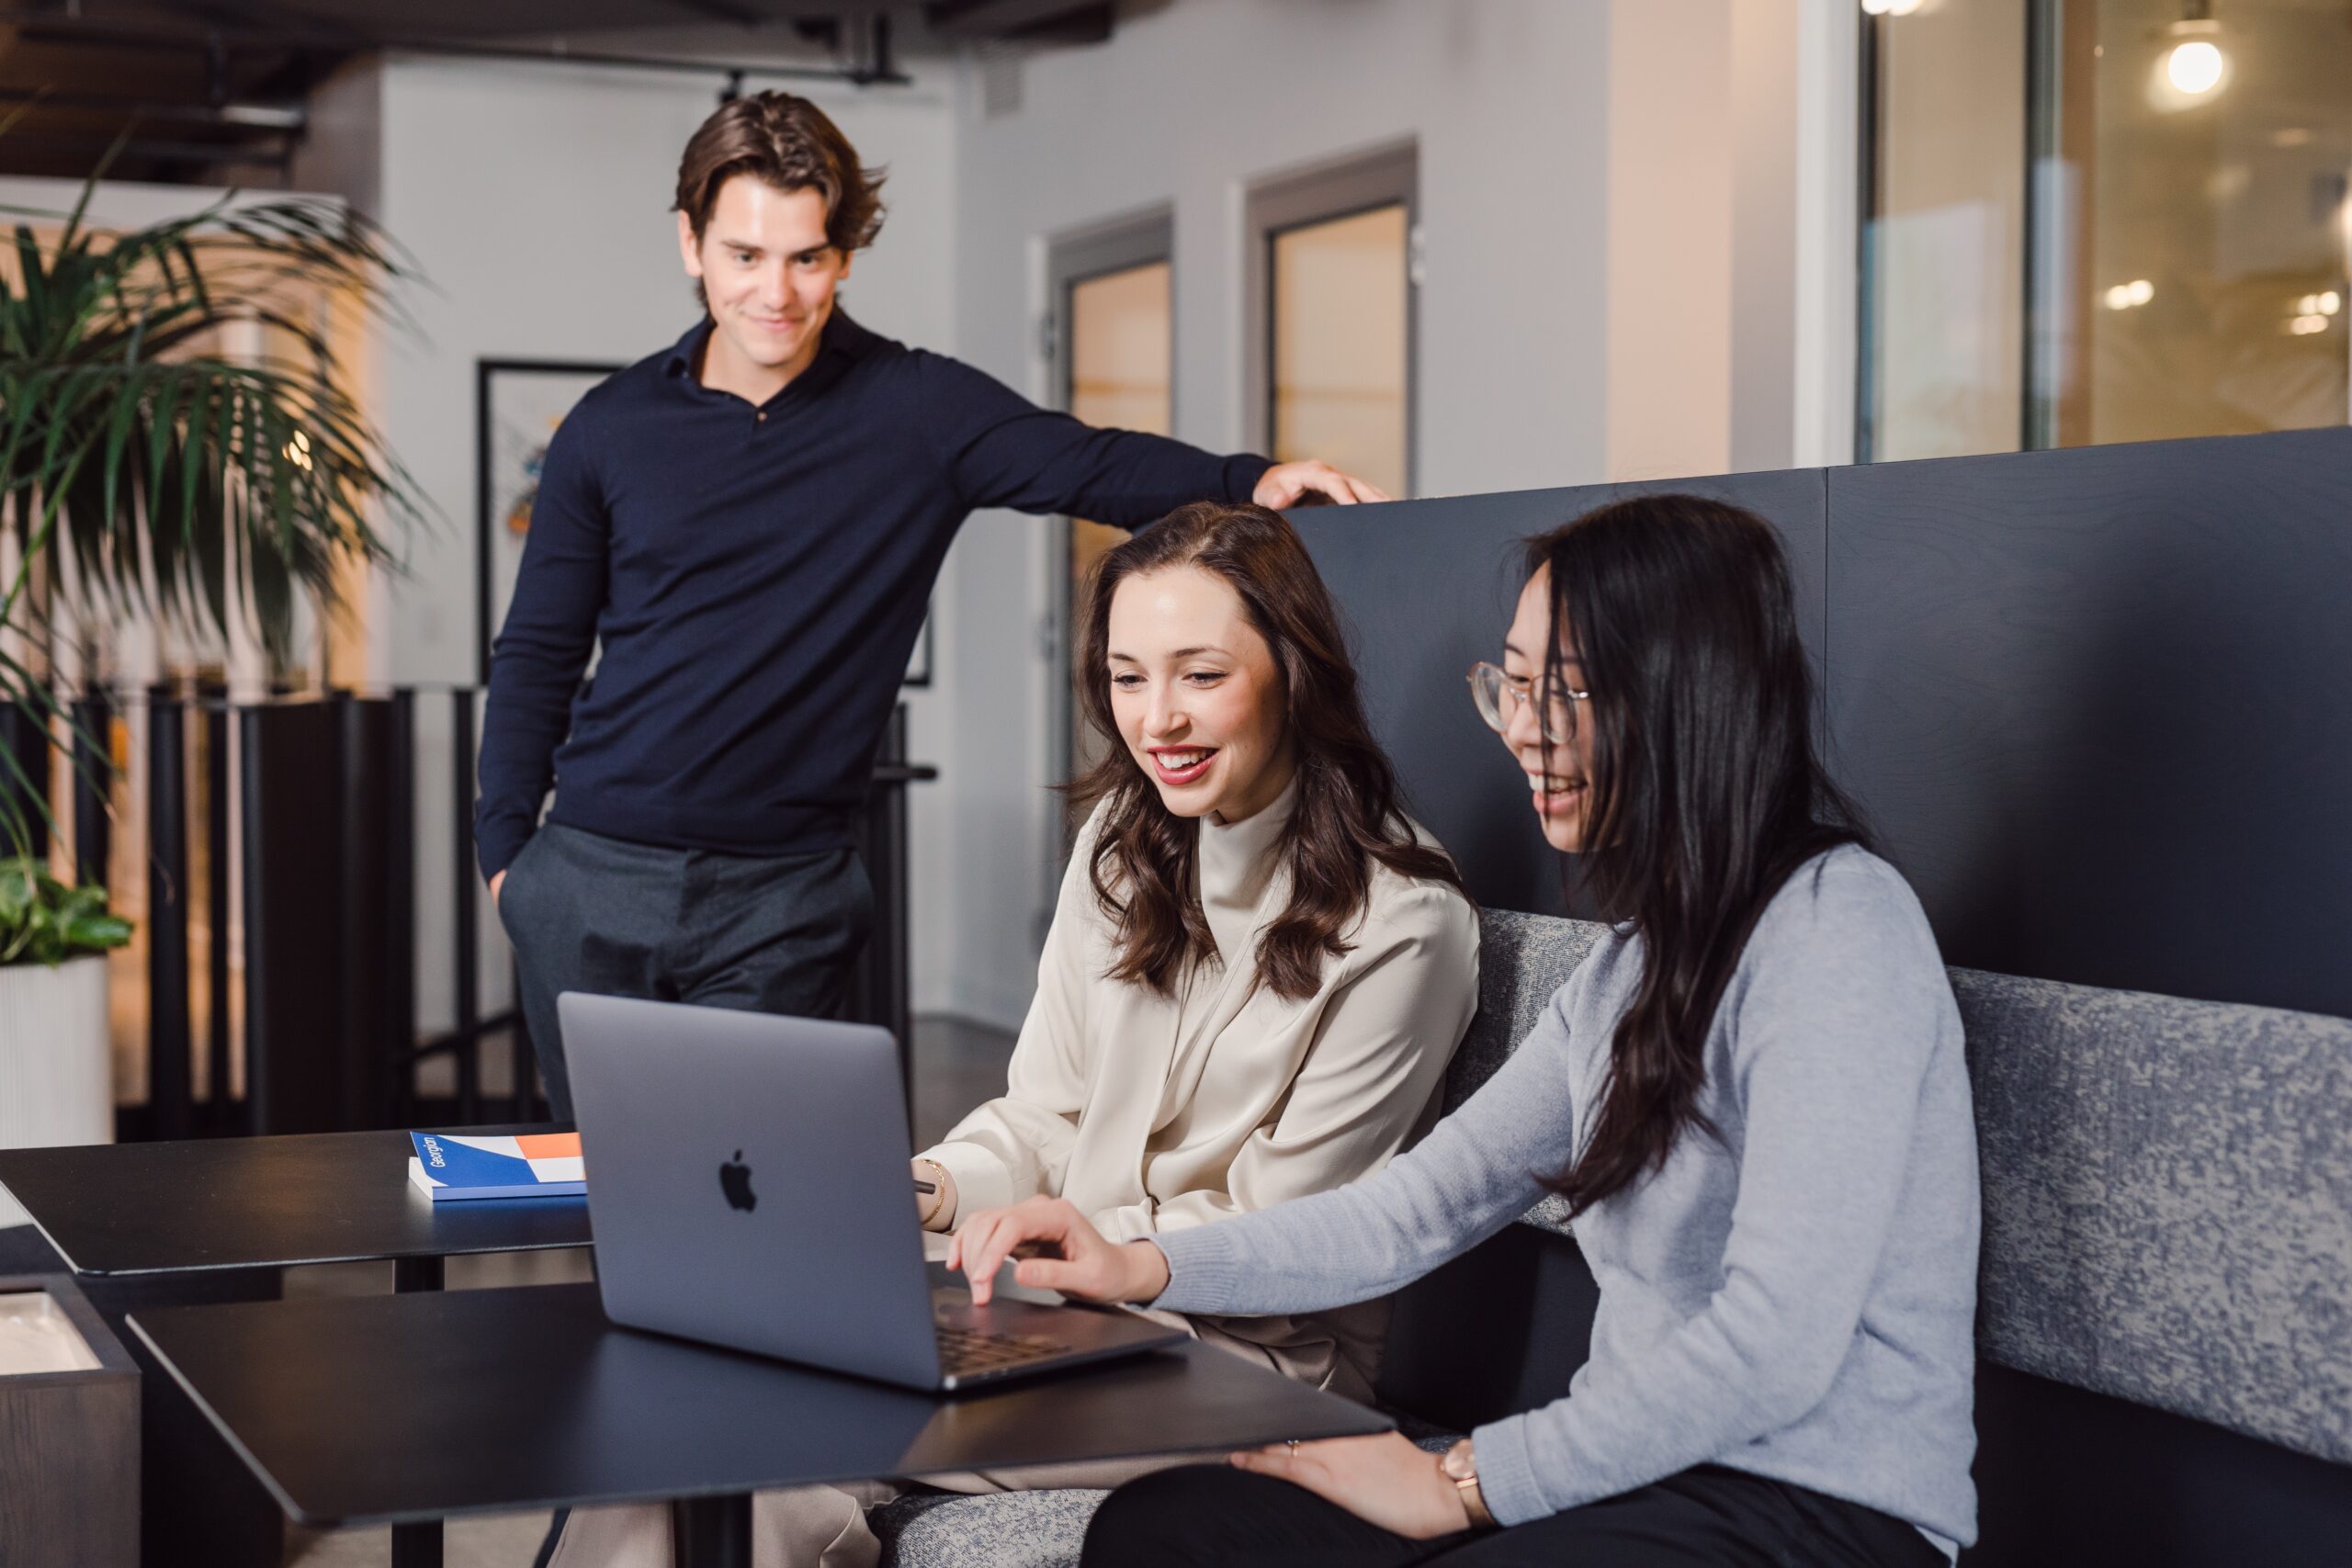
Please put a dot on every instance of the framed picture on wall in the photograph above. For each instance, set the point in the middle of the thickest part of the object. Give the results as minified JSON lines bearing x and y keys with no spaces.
{"x":518,"y":405}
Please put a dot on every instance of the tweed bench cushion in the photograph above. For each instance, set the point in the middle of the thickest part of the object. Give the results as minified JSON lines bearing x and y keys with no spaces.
{"x":2168,"y":1201}
{"x":1021,"y":1530}
{"x":1523,"y":959}
{"x":2167,"y":1185}
{"x":1000,"y":1530}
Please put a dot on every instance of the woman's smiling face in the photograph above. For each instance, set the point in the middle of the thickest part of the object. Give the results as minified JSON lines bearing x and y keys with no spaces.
{"x":1197,"y":695}
{"x":1558,"y":785}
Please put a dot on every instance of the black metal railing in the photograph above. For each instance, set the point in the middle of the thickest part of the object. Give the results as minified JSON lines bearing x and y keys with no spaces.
{"x":327,"y":790}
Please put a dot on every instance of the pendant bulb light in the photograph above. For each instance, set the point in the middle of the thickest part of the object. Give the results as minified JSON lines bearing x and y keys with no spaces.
{"x":2195,"y":64}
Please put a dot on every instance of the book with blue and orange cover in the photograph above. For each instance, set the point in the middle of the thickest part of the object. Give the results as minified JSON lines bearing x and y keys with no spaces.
{"x":466,"y":1165}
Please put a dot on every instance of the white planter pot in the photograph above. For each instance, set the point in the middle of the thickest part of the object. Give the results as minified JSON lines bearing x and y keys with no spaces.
{"x":56,"y":1060}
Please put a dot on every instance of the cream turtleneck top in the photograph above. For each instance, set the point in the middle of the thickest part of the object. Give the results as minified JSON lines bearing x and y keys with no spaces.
{"x":1155,"y":1113}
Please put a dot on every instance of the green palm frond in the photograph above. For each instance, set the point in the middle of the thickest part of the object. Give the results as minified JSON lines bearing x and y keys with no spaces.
{"x":159,"y":471}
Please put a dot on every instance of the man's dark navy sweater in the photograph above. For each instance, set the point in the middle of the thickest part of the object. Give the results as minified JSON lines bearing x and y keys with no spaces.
{"x":757,"y":577}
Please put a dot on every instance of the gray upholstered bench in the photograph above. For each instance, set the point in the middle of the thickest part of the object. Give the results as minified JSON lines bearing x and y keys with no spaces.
{"x":2167,"y":1223}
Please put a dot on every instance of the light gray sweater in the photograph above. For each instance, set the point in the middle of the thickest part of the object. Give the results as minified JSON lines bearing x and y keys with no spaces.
{"x":1796,"y":1300}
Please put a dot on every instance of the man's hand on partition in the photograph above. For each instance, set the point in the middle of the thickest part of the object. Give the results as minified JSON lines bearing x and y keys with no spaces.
{"x":1286,"y":484}
{"x":1059,"y":1250}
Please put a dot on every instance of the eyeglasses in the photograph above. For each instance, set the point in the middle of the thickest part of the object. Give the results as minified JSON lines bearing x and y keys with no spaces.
{"x":1498,"y":695}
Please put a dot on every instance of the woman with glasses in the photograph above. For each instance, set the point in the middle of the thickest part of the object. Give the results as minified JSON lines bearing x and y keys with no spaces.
{"x":1257,"y":972}
{"x":1751,"y":1094}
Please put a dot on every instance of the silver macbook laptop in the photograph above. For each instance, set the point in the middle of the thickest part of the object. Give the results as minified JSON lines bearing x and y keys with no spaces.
{"x":748,"y":1184}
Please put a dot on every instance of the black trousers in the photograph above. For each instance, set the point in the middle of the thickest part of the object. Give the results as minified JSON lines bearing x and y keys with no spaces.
{"x":762,"y":933}
{"x":1708,"y":1517}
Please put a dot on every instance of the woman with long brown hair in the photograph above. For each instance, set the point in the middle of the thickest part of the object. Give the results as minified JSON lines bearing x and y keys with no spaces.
{"x":1259,"y":967}
{"x":1257,"y":972}
{"x":1752,"y":1094}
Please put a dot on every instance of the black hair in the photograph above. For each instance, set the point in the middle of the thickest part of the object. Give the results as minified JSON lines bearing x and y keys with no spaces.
{"x":1705,"y":788}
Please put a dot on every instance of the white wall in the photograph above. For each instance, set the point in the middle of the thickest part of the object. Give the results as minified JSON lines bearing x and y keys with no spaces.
{"x":537,"y":202}
{"x":1614,"y":282}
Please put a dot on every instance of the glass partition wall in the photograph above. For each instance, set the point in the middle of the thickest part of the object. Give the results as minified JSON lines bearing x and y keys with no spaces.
{"x":2102,"y":221}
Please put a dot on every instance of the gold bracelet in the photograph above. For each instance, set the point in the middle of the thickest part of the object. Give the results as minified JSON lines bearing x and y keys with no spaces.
{"x":1473,"y":1502}
{"x":937,"y":1201}
{"x":1459,"y":1465}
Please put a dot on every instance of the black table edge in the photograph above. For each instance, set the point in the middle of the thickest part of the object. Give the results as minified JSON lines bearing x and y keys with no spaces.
{"x":64,"y":1257}
{"x":82,"y":1272}
{"x":307,"y":1520}
{"x":310,"y":1258}
{"x":244,"y":1455}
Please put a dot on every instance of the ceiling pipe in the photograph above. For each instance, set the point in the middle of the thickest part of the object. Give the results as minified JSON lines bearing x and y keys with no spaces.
{"x":286,"y":117}
{"x":205,"y":153}
{"x":881,"y":69}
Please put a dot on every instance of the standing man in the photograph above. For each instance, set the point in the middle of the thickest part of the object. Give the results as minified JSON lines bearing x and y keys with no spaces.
{"x":750,"y":522}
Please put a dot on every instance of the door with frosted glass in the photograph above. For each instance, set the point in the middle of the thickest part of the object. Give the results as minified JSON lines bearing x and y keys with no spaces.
{"x":1338,"y":331}
{"x":1117,"y":357}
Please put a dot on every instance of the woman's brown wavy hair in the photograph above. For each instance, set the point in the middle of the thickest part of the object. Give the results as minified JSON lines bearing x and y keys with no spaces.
{"x":1350,"y":813}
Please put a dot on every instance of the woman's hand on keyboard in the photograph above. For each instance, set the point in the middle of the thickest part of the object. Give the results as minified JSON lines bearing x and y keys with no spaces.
{"x":1059,"y":1250}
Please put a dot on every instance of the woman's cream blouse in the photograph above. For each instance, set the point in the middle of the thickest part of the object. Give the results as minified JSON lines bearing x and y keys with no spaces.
{"x":1152,"y":1113}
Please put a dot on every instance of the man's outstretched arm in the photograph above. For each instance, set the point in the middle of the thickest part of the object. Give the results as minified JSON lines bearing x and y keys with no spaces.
{"x":1001,"y":449}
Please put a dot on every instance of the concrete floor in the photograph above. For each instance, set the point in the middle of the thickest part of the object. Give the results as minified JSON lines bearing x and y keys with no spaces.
{"x":957,"y":1065}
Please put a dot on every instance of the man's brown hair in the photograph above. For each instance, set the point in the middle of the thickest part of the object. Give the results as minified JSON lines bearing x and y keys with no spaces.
{"x":787,"y":142}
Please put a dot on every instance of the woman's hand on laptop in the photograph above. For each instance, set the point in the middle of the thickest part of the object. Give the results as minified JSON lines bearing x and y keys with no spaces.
{"x":1059,"y":1250}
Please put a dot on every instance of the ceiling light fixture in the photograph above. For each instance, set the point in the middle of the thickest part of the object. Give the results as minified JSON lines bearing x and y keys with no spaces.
{"x":1890,"y":7}
{"x":2195,"y":64}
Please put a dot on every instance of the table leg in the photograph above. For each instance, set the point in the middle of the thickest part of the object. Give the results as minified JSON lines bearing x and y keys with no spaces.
{"x":416,"y":1274}
{"x":711,"y":1532}
{"x":416,"y":1546}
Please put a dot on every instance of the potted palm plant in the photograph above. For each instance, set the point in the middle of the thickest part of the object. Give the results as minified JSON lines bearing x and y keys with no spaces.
{"x":177,"y":439}
{"x":55,"y":1086}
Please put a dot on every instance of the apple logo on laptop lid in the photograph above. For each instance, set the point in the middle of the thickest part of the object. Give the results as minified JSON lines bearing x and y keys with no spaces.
{"x":735,"y":1181}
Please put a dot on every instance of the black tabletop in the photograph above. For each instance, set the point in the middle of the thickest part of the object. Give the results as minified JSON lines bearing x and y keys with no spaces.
{"x":249,"y":1203}
{"x":366,"y":1409}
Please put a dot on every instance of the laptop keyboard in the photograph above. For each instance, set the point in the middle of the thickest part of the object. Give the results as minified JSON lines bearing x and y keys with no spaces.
{"x":963,"y":1352}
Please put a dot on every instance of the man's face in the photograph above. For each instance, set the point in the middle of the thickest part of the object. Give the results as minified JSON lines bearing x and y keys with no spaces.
{"x":769,"y":273}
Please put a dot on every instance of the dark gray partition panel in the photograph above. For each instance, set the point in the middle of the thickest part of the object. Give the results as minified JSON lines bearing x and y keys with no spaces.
{"x":2098,"y":704}
{"x":1428,"y":588}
